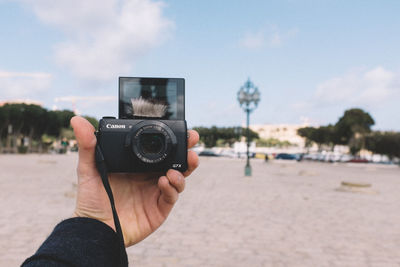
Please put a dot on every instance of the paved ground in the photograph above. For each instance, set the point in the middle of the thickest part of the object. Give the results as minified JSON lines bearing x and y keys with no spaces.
{"x":287,"y":214}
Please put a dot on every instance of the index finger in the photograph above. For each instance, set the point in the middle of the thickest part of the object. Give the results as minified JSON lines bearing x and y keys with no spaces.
{"x":193,"y":138}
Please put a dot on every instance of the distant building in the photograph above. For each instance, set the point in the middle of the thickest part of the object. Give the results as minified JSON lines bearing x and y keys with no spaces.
{"x":282,"y":132}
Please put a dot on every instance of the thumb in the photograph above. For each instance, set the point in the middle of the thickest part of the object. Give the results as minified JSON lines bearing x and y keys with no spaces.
{"x":84,"y":134}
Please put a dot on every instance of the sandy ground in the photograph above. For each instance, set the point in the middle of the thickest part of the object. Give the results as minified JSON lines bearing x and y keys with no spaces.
{"x":286,"y":214}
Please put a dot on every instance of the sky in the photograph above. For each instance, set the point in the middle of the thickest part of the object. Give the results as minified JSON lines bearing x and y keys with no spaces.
{"x":311,"y":60}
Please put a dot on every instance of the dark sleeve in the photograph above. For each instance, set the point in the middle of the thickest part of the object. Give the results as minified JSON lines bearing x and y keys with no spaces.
{"x":78,"y":242}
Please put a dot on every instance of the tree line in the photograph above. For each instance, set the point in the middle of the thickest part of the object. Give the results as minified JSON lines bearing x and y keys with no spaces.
{"x":219,"y":136}
{"x":227,"y":136}
{"x":354,"y":130}
{"x":33,"y":128}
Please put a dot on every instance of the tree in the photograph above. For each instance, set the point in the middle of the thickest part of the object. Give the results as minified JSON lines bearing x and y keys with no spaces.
{"x":56,"y":120}
{"x":19,"y":121}
{"x":15,"y":121}
{"x":223,"y":135}
{"x":352,"y":128}
{"x":354,"y":121}
{"x":320,"y":136}
{"x":307,"y":133}
{"x":34,"y":125}
{"x":208,"y":135}
{"x":272,"y":142}
{"x":93,"y":121}
{"x":384,"y":143}
{"x":3,"y":125}
{"x":324,"y":135}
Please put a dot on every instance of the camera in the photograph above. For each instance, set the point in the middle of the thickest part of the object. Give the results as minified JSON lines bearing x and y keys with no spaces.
{"x":150,"y":134}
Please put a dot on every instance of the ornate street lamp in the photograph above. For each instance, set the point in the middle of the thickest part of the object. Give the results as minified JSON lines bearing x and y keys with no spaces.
{"x":248,"y":97}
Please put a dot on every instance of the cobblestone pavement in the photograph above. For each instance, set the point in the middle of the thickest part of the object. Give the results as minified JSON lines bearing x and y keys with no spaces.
{"x":286,"y":214}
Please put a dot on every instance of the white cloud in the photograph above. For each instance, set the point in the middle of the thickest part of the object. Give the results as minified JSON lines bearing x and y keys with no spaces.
{"x":97,"y":99}
{"x":84,"y":101}
{"x":270,"y":37}
{"x":376,"y":90}
{"x":359,"y":87}
{"x":78,"y":103}
{"x":23,"y":84}
{"x":275,"y":40}
{"x":104,"y":38}
{"x":253,"y":40}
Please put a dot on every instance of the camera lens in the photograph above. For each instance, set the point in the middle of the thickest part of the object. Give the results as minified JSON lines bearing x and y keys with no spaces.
{"x":152,"y":143}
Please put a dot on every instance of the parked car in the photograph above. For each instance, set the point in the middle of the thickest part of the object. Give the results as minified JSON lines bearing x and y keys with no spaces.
{"x":332,"y":157}
{"x":359,"y":160}
{"x":228,"y":153}
{"x":310,"y":157}
{"x":345,"y":158}
{"x":244,"y":155}
{"x":208,"y":153}
{"x":286,"y":156}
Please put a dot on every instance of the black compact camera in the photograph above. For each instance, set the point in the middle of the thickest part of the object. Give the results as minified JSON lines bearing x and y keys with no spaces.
{"x":150,"y":134}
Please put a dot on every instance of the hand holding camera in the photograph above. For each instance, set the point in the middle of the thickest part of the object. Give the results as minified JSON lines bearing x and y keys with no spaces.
{"x":146,"y":186}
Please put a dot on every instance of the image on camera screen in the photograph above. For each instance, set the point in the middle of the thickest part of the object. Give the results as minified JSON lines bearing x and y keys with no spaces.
{"x":160,"y":98}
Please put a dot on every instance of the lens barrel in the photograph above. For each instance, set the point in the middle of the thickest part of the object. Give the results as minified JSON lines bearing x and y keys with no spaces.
{"x":151,"y":141}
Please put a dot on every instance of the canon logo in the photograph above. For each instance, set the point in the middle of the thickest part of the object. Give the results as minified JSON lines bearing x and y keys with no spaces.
{"x":115,"y":126}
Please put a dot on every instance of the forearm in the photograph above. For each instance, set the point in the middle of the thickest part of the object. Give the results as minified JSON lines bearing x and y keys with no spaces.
{"x":78,"y":242}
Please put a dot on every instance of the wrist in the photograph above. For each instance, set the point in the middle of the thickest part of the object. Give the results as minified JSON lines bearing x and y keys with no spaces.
{"x":80,"y":214}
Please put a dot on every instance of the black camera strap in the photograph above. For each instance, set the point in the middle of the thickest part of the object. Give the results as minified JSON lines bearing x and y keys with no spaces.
{"x":102,"y":169}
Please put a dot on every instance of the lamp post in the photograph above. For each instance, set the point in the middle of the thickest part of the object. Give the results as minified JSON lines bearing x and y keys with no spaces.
{"x":248,"y":97}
